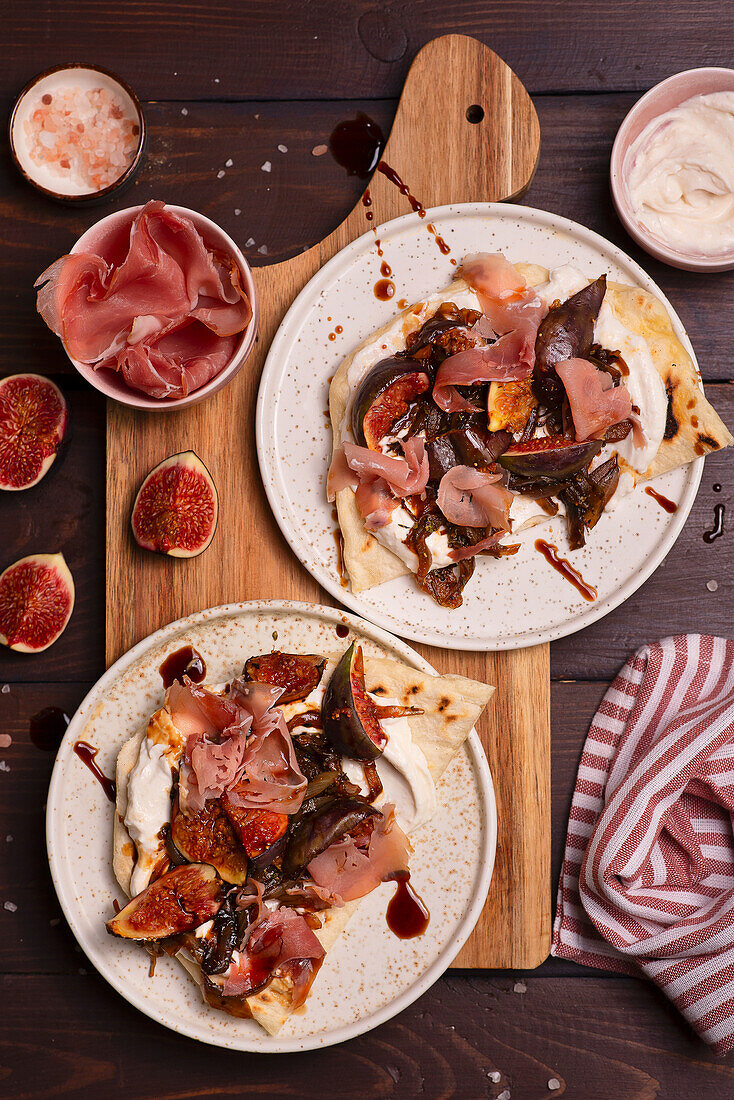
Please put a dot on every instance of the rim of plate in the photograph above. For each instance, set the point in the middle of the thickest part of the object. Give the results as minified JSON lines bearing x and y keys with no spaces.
{"x":345,"y":596}
{"x":267,"y":1044}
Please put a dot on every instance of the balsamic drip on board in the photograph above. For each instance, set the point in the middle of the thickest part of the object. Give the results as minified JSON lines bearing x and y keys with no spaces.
{"x":185,"y":661}
{"x":47,"y":728}
{"x":407,"y":914}
{"x":665,"y":504}
{"x":567,"y":571}
{"x":718,"y":529}
{"x":88,"y":755}
{"x":356,"y":144}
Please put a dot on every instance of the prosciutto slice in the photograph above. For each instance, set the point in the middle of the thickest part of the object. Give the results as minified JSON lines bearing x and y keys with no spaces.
{"x":514,"y":312}
{"x":460,"y":553}
{"x":280,"y":941}
{"x":376,"y":503}
{"x":405,"y":476}
{"x":595,"y":403}
{"x":474,"y":498}
{"x":242,"y":746}
{"x":164,"y":310}
{"x":352,"y":867}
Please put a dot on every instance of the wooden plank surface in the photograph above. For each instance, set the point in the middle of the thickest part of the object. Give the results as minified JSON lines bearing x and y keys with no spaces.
{"x":70,"y":1034}
{"x":498,"y":158}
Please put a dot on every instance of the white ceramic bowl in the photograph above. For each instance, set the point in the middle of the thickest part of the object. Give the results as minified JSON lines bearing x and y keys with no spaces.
{"x":664,"y":97}
{"x":113,"y":385}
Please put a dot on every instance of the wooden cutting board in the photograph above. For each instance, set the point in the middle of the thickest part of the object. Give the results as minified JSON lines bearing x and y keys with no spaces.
{"x":443,"y":158}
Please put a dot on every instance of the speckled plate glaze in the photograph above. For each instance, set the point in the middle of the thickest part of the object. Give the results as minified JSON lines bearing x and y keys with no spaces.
{"x":369,"y":975}
{"x":509,"y":603}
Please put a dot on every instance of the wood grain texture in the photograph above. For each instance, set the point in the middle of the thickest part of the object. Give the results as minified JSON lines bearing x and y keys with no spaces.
{"x":248,"y":559}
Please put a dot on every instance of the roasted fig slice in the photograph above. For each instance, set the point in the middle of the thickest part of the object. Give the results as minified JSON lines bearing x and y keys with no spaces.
{"x":176,"y":509}
{"x":208,"y":837}
{"x":553,"y":457}
{"x":36,"y":602}
{"x":384,"y":395}
{"x":177,"y":902}
{"x":33,"y":421}
{"x":567,"y":332}
{"x":348,"y":712}
{"x":217,"y":953}
{"x":297,"y":675}
{"x":313,"y":834}
{"x":260,"y":832}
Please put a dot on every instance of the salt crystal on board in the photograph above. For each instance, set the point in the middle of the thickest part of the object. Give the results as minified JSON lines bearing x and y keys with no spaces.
{"x":266,"y":167}
{"x":220,"y":174}
{"x":9,"y":838}
{"x":504,"y":1095}
{"x":554,"y":1084}
{"x":282,"y":148}
{"x":237,"y":211}
{"x":5,"y":740}
{"x":228,"y":162}
{"x":250,"y":242}
{"x":712,"y":585}
{"x":263,"y":250}
{"x":10,"y":906}
{"x":5,"y":689}
{"x":495,"y":1076}
{"x":4,"y":766}
{"x":184,"y":110}
{"x":319,"y":150}
{"x":520,"y":987}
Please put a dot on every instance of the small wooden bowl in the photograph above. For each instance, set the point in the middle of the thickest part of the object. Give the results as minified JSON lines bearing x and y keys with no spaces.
{"x":51,"y":79}
{"x":111,"y":231}
{"x":664,"y":97}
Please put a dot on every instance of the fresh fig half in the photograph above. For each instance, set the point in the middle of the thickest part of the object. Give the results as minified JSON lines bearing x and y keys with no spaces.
{"x":552,"y":456}
{"x":33,"y":420}
{"x":261,"y":832}
{"x":36,"y":602}
{"x":297,"y":674}
{"x":348,"y":712}
{"x":176,"y":509}
{"x":384,"y":395}
{"x":207,"y":836}
{"x":177,"y":902}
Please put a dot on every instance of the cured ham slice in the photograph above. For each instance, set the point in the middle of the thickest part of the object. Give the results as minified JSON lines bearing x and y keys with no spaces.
{"x":280,"y":941}
{"x":376,"y":503}
{"x":353,"y":867}
{"x":241,"y":746}
{"x":595,"y":403}
{"x":461,"y":553}
{"x":474,"y":498}
{"x":166,"y":313}
{"x":405,"y":476}
{"x":514,"y":311}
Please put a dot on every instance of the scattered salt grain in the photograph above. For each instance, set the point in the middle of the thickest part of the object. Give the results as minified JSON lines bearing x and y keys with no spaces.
{"x":10,"y":906}
{"x":5,"y":740}
{"x":184,"y":110}
{"x":220,"y":174}
{"x":237,"y":211}
{"x":257,"y":116}
{"x":282,"y":148}
{"x":519,"y":987}
{"x":216,"y":79}
{"x":495,"y":1076}
{"x":4,"y":766}
{"x":263,"y":250}
{"x":712,"y":585}
{"x":5,"y":689}
{"x":250,"y":242}
{"x":266,"y":167}
{"x":554,"y":1084}
{"x":504,"y":1095}
{"x":9,"y":838}
{"x":319,"y":150}
{"x":228,"y":162}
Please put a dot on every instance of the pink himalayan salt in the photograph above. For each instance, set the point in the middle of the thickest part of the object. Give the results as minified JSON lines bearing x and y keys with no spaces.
{"x":82,"y":134}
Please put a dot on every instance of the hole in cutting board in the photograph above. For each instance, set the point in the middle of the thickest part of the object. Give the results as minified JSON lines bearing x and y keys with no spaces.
{"x":475,"y":113}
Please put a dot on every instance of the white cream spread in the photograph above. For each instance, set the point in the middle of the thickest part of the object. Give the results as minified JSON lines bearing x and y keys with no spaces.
{"x":148,"y":808}
{"x":679,"y":175}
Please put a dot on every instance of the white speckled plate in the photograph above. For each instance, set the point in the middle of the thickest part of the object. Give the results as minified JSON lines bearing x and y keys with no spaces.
{"x":512,"y":602}
{"x":369,"y":975}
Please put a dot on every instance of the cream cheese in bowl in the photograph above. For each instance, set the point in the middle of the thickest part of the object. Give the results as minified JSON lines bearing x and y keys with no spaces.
{"x":680,"y":175}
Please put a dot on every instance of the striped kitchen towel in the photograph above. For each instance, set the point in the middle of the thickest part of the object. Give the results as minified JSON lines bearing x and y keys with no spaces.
{"x":648,"y":874}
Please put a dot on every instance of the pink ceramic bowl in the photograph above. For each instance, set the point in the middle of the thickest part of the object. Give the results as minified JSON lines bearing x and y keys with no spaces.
{"x":111,"y":231}
{"x":664,"y":97}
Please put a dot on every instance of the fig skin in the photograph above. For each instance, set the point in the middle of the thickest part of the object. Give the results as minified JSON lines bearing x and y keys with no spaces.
{"x":552,"y":457}
{"x":566,"y":332}
{"x":260,"y":832}
{"x":348,"y":713}
{"x":297,"y":675}
{"x":472,"y":446}
{"x":177,"y":508}
{"x":36,"y":602}
{"x":177,"y":902}
{"x":34,"y":418}
{"x":207,"y":836}
{"x":316,"y":831}
{"x":389,"y":387}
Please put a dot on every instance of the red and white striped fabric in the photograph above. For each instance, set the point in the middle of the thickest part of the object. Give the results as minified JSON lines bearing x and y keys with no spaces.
{"x":648,"y":873}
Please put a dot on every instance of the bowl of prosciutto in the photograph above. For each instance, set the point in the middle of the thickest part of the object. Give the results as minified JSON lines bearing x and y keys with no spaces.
{"x":155,"y":306}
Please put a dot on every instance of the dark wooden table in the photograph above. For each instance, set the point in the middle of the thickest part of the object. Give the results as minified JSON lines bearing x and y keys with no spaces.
{"x":232,"y":79}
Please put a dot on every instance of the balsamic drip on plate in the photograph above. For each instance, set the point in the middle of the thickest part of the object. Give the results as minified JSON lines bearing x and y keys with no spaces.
{"x":407,"y":914}
{"x":88,"y":755}
{"x":185,"y":661}
{"x":567,"y":571}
